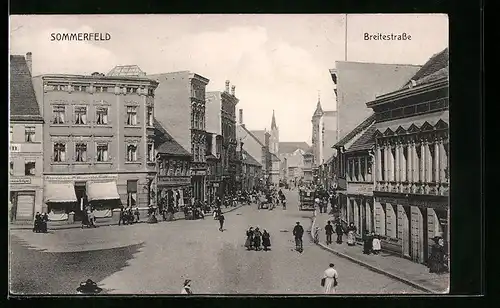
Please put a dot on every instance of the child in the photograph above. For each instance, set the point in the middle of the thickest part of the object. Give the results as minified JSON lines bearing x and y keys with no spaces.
{"x":376,"y":245}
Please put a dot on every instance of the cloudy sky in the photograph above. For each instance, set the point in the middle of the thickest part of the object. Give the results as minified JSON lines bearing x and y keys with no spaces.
{"x":277,"y":62}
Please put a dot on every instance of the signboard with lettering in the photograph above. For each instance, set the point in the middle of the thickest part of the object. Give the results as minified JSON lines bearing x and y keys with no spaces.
{"x":20,"y":181}
{"x":360,"y":188}
{"x":82,"y":177}
{"x":173,"y":180}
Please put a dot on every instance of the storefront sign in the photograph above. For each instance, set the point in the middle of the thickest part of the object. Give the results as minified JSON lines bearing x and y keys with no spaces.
{"x":15,"y":148}
{"x":20,"y":181}
{"x":360,"y":189}
{"x":173,"y":180}
{"x":82,"y":177}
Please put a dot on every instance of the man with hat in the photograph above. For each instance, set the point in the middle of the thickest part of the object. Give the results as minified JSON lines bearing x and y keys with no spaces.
{"x":298,"y":232}
{"x":436,"y":259}
{"x":187,"y":287}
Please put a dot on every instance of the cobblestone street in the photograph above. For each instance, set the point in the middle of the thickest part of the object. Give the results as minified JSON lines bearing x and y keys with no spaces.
{"x":160,"y":256}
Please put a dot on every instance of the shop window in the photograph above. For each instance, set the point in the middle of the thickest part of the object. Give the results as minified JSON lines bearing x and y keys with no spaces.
{"x":150,"y":116}
{"x":151,"y":152}
{"x":102,"y":115}
{"x":29,"y":168}
{"x":59,"y":152}
{"x":81,"y":152}
{"x":131,"y":115}
{"x":58,"y":113}
{"x":80,"y":115}
{"x":29,"y":134}
{"x":102,"y":152}
{"x":131,"y":193}
{"x":131,"y":152}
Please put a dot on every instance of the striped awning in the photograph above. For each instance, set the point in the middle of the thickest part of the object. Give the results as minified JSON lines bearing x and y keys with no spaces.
{"x":102,"y":191}
{"x":60,"y":192}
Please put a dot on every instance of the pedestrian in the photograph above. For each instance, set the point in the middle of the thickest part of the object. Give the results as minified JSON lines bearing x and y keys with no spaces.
{"x":318,"y":204}
{"x":437,"y":257}
{"x":330,"y":279}
{"x":376,"y":244}
{"x":257,"y":238}
{"x":137,"y":214}
{"x":37,"y":222}
{"x":351,"y":230}
{"x":45,"y":220}
{"x":121,"y":219}
{"x":340,"y":232}
{"x":367,"y":243}
{"x":91,"y":218}
{"x":329,"y":232}
{"x":186,"y":289}
{"x":249,"y":240}
{"x":298,"y":232}
{"x":221,"y":222}
{"x":266,"y":240}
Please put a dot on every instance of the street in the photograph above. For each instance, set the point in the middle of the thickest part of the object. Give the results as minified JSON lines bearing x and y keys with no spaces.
{"x":156,"y":258}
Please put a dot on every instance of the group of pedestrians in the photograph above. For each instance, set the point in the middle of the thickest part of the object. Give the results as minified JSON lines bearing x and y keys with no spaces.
{"x":128,"y":217}
{"x":40,"y":224}
{"x":256,"y":238}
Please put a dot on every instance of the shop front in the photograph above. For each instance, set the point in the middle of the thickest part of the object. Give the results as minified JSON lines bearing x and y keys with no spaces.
{"x":198,"y":183}
{"x":173,"y":191}
{"x":360,"y":207}
{"x":26,"y":195}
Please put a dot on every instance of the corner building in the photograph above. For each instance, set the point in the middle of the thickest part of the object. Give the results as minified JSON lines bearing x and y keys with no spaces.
{"x":411,"y":162}
{"x":99,"y":146}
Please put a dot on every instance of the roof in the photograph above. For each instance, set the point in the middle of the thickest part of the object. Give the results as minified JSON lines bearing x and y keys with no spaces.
{"x":358,"y":129}
{"x":290,"y":147}
{"x":126,"y":70}
{"x":436,"y":67}
{"x":365,"y":142}
{"x":23,"y":103}
{"x":165,"y":143}
{"x":319,"y":110}
{"x":274,"y":157}
{"x":309,"y":151}
{"x":249,"y":160}
{"x":259,"y":135}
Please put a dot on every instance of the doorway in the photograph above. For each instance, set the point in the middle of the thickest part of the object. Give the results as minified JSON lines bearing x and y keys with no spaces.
{"x":82,"y":202}
{"x":407,"y":234}
{"x":425,"y":234}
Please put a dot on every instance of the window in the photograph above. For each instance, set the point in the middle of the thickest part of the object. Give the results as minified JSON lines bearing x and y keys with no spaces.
{"x":11,"y":170}
{"x":11,"y":134}
{"x":29,"y":134}
{"x":151,"y":152}
{"x":363,"y":172}
{"x":29,"y":168}
{"x":131,"y":90}
{"x":59,"y":87}
{"x":131,"y":193}
{"x":81,"y":152}
{"x":80,"y":88}
{"x":102,"y":152}
{"x":58,"y":113}
{"x":131,"y":115}
{"x":131,"y":152}
{"x":151,"y":92}
{"x":101,"y":89}
{"x":150,"y":116}
{"x":102,"y":115}
{"x":80,"y":115}
{"x":59,"y":152}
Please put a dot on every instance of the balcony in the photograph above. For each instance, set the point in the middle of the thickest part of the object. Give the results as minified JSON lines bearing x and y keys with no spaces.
{"x":432,"y":189}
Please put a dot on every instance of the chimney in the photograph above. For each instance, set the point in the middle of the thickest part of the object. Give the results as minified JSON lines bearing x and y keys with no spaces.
{"x":241,"y":116}
{"x":227,"y":86}
{"x":29,"y":61}
{"x":233,"y":90}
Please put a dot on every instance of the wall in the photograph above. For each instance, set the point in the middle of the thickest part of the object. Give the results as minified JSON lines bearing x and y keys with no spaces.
{"x":358,"y":83}
{"x":213,"y":113}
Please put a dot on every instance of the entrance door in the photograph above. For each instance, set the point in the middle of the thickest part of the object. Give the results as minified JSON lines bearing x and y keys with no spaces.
{"x":25,"y":205}
{"x":406,"y":224}
{"x":82,"y":201}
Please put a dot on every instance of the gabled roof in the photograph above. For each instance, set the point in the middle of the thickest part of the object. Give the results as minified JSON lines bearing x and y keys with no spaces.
{"x":436,"y":67}
{"x":365,"y":142}
{"x":259,"y":135}
{"x":358,"y":129}
{"x":165,"y":143}
{"x":290,"y":147}
{"x":319,"y":110}
{"x":249,"y":160}
{"x":23,"y":103}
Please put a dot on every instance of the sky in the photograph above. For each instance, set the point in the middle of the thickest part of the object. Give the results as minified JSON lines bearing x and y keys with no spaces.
{"x":276,"y":62}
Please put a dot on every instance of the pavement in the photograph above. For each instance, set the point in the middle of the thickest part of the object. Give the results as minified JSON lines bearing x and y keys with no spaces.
{"x":156,"y":258}
{"x":399,"y":268}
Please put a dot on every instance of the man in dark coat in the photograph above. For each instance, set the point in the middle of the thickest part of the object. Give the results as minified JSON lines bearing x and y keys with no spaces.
{"x":221,"y":222}
{"x":437,"y":257}
{"x":329,"y":232}
{"x":298,"y":232}
{"x":37,"y":223}
{"x":340,"y":232}
{"x":367,"y":243}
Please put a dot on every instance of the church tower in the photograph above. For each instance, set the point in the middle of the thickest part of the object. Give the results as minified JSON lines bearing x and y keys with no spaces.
{"x":274,"y":140}
{"x":317,"y":125}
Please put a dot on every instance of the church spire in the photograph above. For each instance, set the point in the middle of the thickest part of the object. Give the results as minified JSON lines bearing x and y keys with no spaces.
{"x":319,"y":110}
{"x":273,"y":122}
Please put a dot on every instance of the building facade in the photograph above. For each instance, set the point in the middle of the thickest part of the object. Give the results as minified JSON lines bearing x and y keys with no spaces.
{"x":324,"y":134}
{"x":26,"y":144}
{"x":99,"y":145}
{"x":411,"y":161}
{"x":308,"y":168}
{"x":180,"y":99}
{"x":251,"y":172}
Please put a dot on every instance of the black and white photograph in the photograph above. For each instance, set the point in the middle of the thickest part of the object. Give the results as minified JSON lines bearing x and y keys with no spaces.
{"x":229,"y":154}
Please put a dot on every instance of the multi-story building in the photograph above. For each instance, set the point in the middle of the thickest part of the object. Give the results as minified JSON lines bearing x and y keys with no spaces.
{"x":99,"y":147}
{"x":292,"y":161}
{"x":251,"y":172}
{"x":356,"y":83}
{"x":270,"y":139}
{"x":173,"y":162}
{"x":180,"y":100}
{"x":411,"y":161}
{"x":26,"y":143}
{"x":227,"y":101}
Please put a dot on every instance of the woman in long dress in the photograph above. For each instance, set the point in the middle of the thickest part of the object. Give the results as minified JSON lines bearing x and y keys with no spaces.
{"x":331,"y":276}
{"x":266,"y":240}
{"x":257,"y":238}
{"x":351,"y":230}
{"x":249,"y":240}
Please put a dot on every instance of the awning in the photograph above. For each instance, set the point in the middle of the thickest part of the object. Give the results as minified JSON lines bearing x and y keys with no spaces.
{"x":102,"y":191}
{"x":60,"y":192}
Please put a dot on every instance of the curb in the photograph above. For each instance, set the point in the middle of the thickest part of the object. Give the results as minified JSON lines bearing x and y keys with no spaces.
{"x":78,"y":226}
{"x":371,"y":267}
